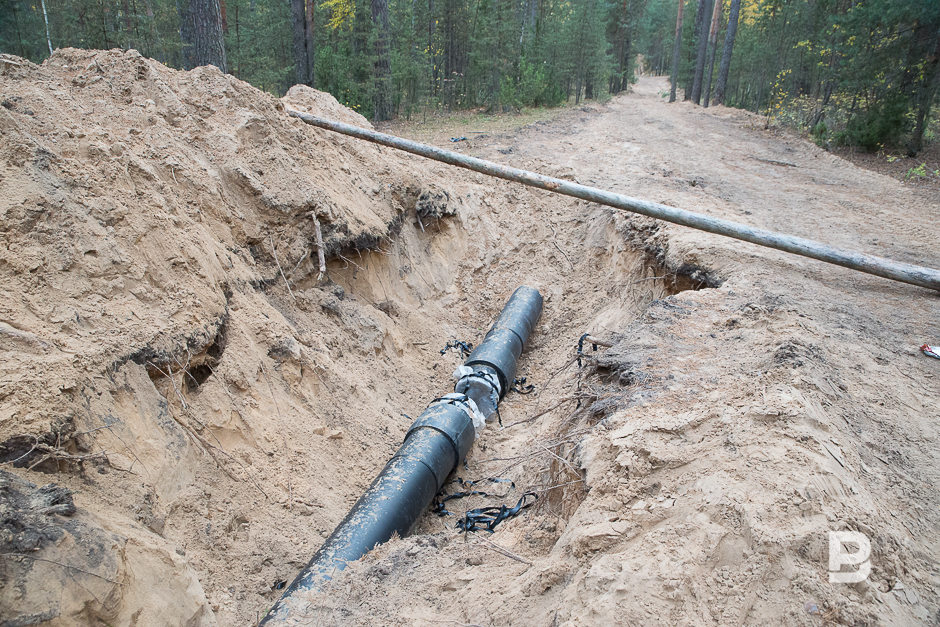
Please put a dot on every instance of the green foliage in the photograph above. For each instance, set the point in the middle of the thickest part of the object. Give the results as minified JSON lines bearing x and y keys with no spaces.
{"x":921,"y":171}
{"x":531,"y":87}
{"x":882,"y":123}
{"x":868,"y":69}
{"x":258,"y":43}
{"x":820,"y":134}
{"x":854,"y":73}
{"x":444,"y":54}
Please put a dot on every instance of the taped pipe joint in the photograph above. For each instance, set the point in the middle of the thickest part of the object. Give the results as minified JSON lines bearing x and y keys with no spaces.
{"x":481,"y":384}
{"x":435,"y":445}
{"x":465,"y":403}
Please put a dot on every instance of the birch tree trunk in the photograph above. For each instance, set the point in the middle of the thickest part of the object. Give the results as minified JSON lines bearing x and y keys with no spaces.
{"x":45,"y":18}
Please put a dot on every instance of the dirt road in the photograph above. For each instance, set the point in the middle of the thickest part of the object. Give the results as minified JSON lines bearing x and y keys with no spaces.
{"x":209,"y":408}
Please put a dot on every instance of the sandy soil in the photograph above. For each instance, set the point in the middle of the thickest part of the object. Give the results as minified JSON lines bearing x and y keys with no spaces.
{"x":206,"y":426}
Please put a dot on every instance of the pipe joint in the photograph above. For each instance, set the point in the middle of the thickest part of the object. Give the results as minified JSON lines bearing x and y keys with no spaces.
{"x":435,"y":445}
{"x":481,"y":384}
{"x":452,"y":417}
{"x":503,"y":344}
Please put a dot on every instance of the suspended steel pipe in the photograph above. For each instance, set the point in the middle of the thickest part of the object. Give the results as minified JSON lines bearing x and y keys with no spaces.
{"x":862,"y":262}
{"x":434,"y":446}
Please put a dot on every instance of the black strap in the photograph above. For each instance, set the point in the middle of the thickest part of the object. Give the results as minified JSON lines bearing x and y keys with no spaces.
{"x":581,"y":347}
{"x":463,"y":401}
{"x":519,"y":386}
{"x":465,"y":348}
{"x":486,"y":518}
{"x":489,"y":379}
{"x":438,"y":507}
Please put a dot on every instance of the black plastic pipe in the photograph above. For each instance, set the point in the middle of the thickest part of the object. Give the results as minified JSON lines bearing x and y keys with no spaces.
{"x":503,"y":344}
{"x":437,"y":442}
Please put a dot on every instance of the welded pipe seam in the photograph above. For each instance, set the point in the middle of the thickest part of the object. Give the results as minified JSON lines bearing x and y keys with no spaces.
{"x":862,"y":262}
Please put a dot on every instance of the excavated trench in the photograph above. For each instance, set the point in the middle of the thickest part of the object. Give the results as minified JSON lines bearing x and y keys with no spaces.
{"x":449,"y":277}
{"x":443,"y":275}
{"x":209,"y":406}
{"x":187,"y":410}
{"x":391,"y":306}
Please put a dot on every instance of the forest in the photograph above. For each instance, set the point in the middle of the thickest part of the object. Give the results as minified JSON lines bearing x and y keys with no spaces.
{"x":848,"y":72}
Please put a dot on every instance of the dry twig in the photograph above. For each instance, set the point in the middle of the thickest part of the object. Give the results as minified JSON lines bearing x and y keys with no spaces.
{"x":561,"y":402}
{"x":169,"y":375}
{"x":281,"y":270}
{"x":489,"y":544}
{"x":321,"y":254}
{"x":66,"y":566}
{"x":555,"y":242}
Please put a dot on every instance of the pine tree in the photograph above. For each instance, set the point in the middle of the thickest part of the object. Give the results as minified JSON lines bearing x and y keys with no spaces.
{"x":710,"y":54}
{"x":382,"y":96}
{"x":677,"y":47}
{"x":725,"y":65}
{"x":201,"y":33}
{"x":701,"y":43}
{"x":304,"y":41}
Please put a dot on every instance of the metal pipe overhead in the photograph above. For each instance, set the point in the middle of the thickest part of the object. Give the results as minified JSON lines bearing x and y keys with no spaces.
{"x":862,"y":262}
{"x":435,"y":445}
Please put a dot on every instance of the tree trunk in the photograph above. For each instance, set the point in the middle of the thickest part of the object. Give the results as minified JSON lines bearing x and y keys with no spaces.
{"x":302,"y":18}
{"x":926,"y":91}
{"x":201,"y":33}
{"x":299,"y":40}
{"x":186,"y":34}
{"x":620,"y":80}
{"x":626,"y":51}
{"x":128,"y":27}
{"x":431,"y":54}
{"x":676,"y":50}
{"x":710,"y":54}
{"x":45,"y":18}
{"x":19,"y":33}
{"x":382,"y":97}
{"x":701,"y":43}
{"x":311,"y":41}
{"x":725,"y":65}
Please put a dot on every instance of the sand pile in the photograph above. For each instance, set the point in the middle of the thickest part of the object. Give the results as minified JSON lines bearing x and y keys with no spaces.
{"x":146,"y":216}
